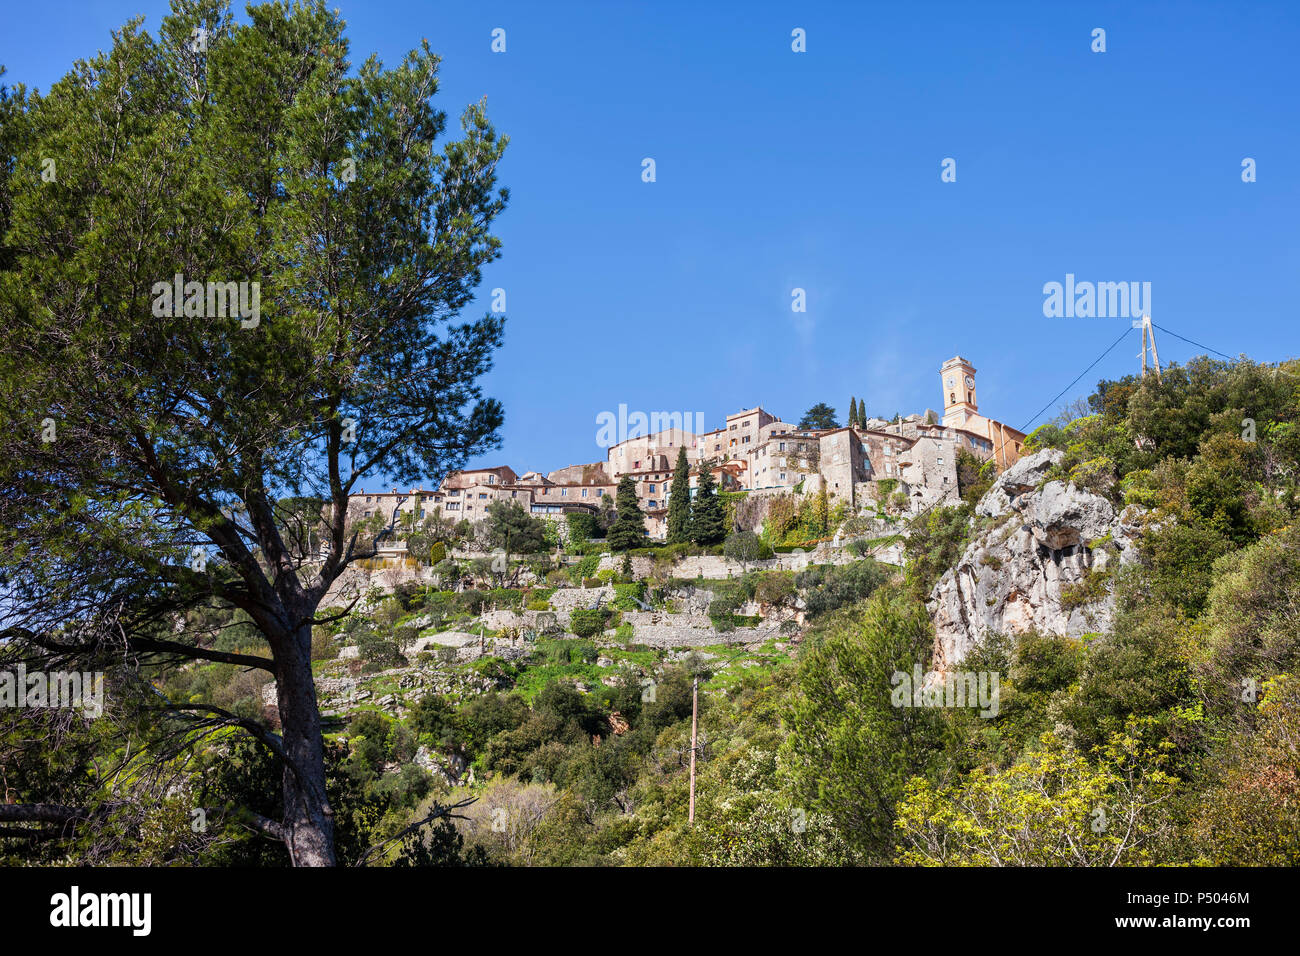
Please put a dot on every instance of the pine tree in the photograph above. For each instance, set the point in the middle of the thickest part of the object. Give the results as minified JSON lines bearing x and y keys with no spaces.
{"x":708,"y":515}
{"x":679,"y":501}
{"x":628,"y":529}
{"x":819,"y":416}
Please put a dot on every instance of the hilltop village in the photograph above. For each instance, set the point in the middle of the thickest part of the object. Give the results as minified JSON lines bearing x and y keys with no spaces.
{"x":754,"y":451}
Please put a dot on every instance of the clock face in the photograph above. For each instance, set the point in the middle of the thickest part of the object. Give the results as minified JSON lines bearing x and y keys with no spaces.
{"x":950,"y":381}
{"x":970,"y":382}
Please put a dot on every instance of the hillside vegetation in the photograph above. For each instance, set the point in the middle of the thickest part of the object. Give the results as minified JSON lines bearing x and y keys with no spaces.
{"x":1169,"y":738}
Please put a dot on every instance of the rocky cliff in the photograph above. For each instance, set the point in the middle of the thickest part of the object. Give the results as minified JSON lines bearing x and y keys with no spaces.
{"x":1041,"y":558}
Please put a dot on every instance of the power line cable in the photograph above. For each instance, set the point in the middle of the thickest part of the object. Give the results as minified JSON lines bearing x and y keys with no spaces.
{"x":1190,"y":342}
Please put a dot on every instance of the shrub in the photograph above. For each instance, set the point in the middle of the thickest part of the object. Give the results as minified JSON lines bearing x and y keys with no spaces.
{"x":323,"y":647}
{"x":582,"y":526}
{"x":568,"y":651}
{"x":588,"y":622}
{"x":774,"y":587}
{"x":845,"y":584}
{"x":377,"y":652}
{"x":584,"y":568}
{"x":744,"y":547}
{"x":627,"y":595}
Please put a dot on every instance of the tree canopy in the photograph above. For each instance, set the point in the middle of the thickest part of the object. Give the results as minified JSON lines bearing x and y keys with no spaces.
{"x":628,"y":529}
{"x":240,"y":283}
{"x":820,"y":415}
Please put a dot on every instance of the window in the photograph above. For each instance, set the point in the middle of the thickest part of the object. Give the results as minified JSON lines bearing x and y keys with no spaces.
{"x":653,"y":503}
{"x":652,"y":488}
{"x":492,"y":479}
{"x":482,"y":494}
{"x":453,"y":506}
{"x":564,"y":492}
{"x":783,"y":476}
{"x":367,"y":499}
{"x":600,"y":492}
{"x":584,"y":492}
{"x":367,"y":514}
{"x":780,"y":446}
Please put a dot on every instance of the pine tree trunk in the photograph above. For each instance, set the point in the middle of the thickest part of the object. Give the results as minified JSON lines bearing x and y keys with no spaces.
{"x":308,"y":817}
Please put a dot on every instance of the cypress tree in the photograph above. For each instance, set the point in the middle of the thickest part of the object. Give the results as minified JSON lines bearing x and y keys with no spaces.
{"x":628,"y":529}
{"x":853,"y":411}
{"x":679,"y":501}
{"x":708,"y":515}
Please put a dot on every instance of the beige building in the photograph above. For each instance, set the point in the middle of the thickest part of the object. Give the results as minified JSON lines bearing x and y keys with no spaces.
{"x":754,"y":451}
{"x":961,"y":412}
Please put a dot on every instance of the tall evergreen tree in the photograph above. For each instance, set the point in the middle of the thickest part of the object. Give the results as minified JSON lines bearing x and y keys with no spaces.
{"x":853,"y":411}
{"x":679,"y":501}
{"x":338,"y":235}
{"x":820,"y":415}
{"x":628,"y":529}
{"x":708,"y":514}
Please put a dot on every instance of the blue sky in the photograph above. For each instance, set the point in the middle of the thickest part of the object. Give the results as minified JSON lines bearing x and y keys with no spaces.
{"x":821,"y":170}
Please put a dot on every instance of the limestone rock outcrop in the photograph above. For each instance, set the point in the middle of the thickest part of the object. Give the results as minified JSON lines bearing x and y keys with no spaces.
{"x":1041,"y":559}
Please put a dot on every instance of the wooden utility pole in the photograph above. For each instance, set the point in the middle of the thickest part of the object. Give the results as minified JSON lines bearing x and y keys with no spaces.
{"x":1147,"y":330}
{"x":695,"y":711}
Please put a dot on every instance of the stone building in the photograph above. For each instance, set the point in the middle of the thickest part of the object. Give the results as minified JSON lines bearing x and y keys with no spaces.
{"x":755,"y":451}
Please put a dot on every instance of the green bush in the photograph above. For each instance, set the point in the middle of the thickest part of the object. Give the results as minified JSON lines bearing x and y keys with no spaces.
{"x":626,"y":595}
{"x":581,"y":526}
{"x":588,"y":622}
{"x":845,"y":584}
{"x":567,"y":651}
{"x":774,"y":587}
{"x":584,"y":568}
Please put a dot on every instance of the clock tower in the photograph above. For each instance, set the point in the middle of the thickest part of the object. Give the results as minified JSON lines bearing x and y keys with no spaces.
{"x":958,"y":391}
